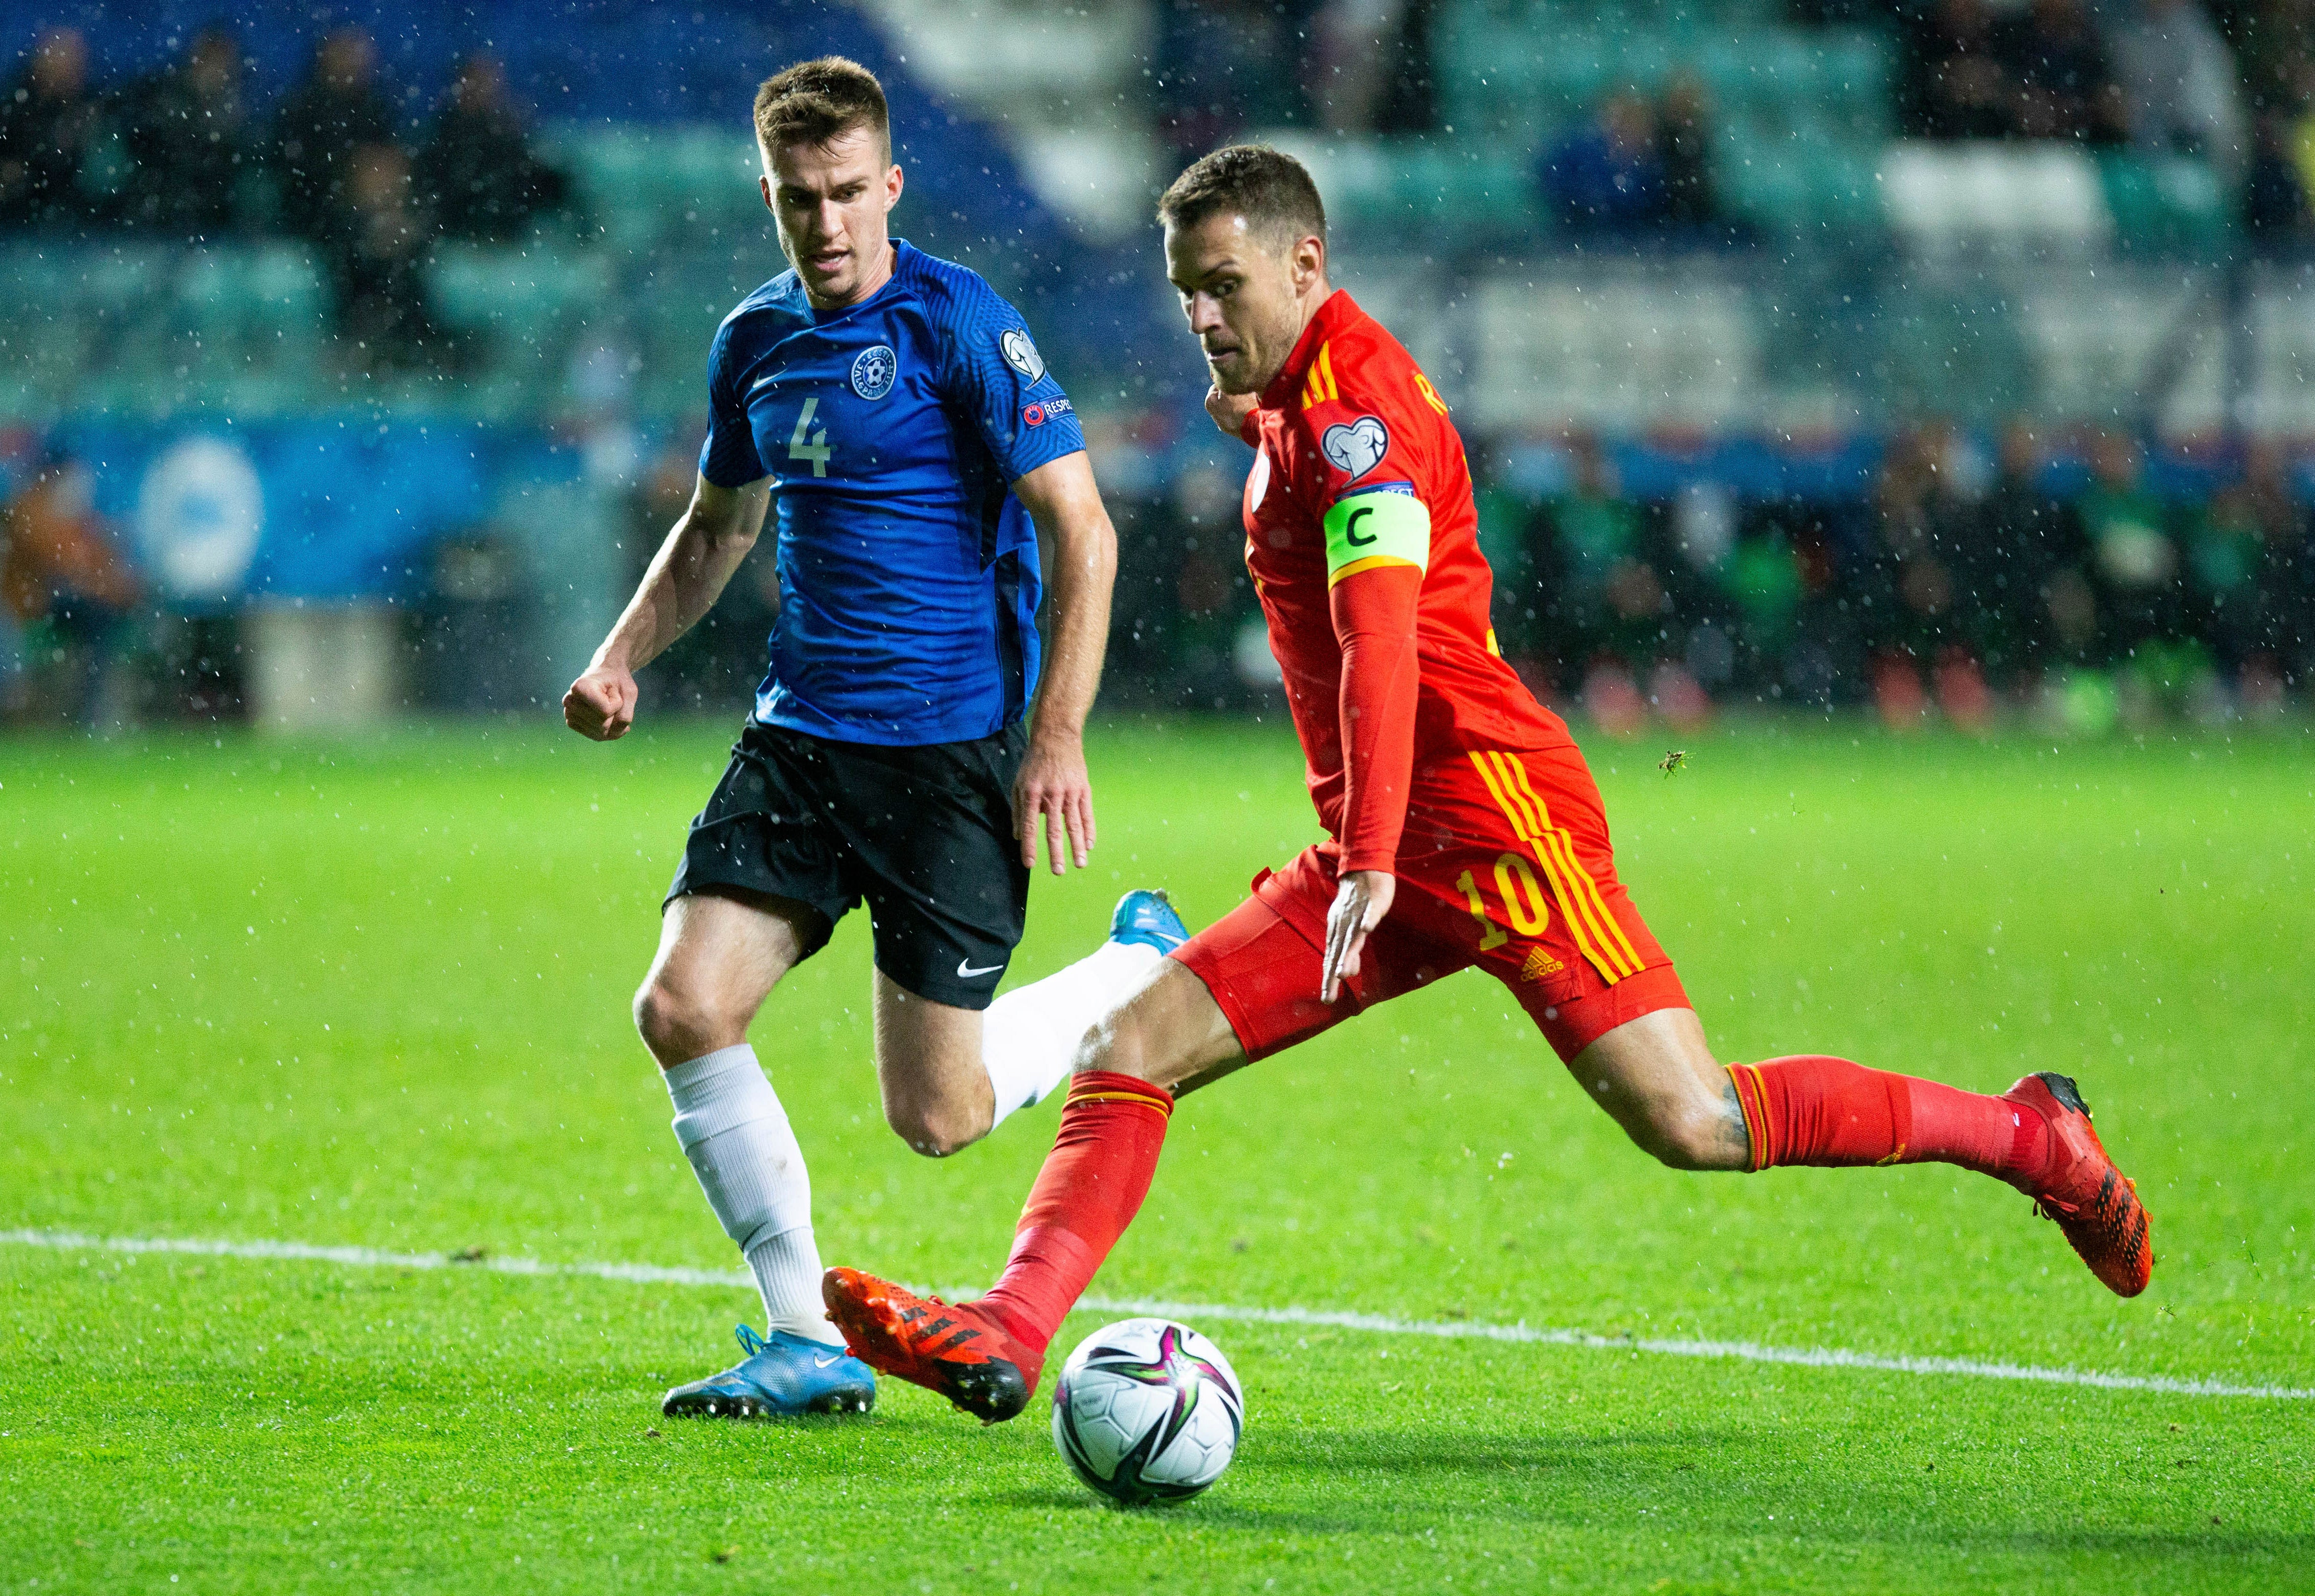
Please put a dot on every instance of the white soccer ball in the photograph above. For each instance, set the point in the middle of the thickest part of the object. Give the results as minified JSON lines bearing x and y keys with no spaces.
{"x":1147,"y":1410}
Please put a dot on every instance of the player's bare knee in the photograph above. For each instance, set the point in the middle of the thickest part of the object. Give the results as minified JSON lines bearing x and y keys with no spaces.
{"x":1678,"y":1142}
{"x":674,"y":1025}
{"x":937,"y":1129}
{"x":653,"y":1014}
{"x":1655,"y":1075}
{"x":1684,"y":1135}
{"x":1120,"y":1042}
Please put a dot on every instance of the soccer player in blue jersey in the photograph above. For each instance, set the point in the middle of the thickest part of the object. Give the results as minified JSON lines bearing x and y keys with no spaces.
{"x":890,"y":413}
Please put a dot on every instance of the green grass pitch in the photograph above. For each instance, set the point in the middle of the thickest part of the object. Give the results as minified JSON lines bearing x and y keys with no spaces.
{"x":373,"y":993}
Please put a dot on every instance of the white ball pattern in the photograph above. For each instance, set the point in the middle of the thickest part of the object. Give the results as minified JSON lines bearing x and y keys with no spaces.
{"x":1147,"y":1410}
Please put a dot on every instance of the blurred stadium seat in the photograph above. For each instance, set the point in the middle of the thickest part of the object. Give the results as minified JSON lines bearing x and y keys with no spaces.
{"x":1616,"y":351}
{"x":1943,"y":196}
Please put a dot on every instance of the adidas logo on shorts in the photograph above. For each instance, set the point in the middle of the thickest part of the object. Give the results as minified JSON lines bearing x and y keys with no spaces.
{"x":1538,"y":965}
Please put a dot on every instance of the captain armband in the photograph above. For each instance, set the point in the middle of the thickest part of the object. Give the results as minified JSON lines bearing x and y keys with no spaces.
{"x":1382,"y":524}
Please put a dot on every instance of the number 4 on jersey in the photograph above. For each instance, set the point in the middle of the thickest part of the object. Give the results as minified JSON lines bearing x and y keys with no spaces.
{"x":817,"y":451}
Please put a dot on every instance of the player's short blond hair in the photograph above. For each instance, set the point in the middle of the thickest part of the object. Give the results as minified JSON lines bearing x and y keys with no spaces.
{"x":1269,"y":188}
{"x":818,"y":102}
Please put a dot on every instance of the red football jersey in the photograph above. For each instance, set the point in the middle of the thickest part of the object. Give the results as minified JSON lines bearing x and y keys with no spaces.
{"x":1363,"y":543}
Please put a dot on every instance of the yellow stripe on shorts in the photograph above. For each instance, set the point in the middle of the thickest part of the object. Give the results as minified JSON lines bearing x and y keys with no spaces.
{"x":1597,"y":937}
{"x":1582,"y":897}
{"x":1610,"y":927}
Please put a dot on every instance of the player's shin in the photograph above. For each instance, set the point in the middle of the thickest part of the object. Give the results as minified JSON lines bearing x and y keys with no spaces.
{"x":1830,"y":1113}
{"x":1112,"y":1127}
{"x":1029,"y":1036}
{"x":736,"y":1136}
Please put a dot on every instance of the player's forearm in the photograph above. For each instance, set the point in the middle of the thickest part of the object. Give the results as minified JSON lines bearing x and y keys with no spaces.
{"x":1382,"y":678}
{"x":1085,"y":570}
{"x":685,"y":579}
{"x":1377,"y":750}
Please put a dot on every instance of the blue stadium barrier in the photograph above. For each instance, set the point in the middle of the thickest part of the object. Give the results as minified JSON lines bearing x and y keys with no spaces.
{"x":346,"y":507}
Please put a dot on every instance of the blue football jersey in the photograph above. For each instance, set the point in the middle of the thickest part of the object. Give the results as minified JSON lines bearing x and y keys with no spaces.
{"x":892,"y":431}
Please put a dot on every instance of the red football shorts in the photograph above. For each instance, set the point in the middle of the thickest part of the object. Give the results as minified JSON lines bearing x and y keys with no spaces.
{"x":1504,"y":863}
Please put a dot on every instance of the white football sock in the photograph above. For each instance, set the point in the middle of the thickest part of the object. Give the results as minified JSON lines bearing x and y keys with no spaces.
{"x":738,"y":1139}
{"x":1029,"y":1036}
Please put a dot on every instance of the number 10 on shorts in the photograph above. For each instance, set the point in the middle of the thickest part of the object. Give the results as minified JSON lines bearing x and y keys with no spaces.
{"x":1524,"y":905}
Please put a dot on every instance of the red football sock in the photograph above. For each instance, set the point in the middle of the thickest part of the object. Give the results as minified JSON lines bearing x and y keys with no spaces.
{"x":1832,"y":1113}
{"x":1088,"y":1192}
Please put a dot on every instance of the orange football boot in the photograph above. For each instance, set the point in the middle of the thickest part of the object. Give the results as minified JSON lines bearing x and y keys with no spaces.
{"x":957,"y":1350}
{"x":2094,"y":1202}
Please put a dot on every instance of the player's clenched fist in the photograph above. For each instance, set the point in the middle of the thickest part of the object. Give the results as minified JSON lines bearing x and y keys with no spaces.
{"x":1229,"y":411}
{"x":602,"y":704}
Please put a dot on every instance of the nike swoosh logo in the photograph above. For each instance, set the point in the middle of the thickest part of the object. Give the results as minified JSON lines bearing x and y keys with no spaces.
{"x":818,"y":1362}
{"x":968,"y":971}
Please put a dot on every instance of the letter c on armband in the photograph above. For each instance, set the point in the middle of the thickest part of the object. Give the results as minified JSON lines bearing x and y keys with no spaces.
{"x":1384,"y":524}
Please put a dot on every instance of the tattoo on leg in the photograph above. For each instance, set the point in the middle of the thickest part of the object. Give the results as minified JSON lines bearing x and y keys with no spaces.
{"x":1734,"y":1134}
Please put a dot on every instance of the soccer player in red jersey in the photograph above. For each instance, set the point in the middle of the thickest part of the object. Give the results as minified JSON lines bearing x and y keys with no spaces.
{"x":1464,"y":829}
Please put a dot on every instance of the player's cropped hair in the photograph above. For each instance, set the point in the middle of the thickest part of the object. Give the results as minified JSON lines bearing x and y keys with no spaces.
{"x":818,"y":102}
{"x":1270,"y":188}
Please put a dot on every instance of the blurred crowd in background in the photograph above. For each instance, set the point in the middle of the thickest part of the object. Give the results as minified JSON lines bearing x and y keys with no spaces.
{"x":1979,"y":582}
{"x":344,"y":163}
{"x":2232,"y":83}
{"x":1973,"y":583}
{"x":353,"y":164}
{"x":1973,"y":573}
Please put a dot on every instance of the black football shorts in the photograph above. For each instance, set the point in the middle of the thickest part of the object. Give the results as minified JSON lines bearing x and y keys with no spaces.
{"x":924,"y":835}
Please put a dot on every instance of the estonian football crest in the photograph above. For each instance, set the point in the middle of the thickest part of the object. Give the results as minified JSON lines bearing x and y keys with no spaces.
{"x":1357,"y":448}
{"x":1021,"y":354}
{"x":874,"y":371}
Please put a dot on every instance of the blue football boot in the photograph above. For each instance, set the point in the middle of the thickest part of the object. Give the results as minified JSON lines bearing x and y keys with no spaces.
{"x":781,"y":1373}
{"x":1146,"y":915}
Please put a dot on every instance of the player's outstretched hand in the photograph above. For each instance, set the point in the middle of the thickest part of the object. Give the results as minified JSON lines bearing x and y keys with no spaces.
{"x":1229,"y":411}
{"x":1360,"y":902}
{"x":1054,"y":794}
{"x":602,"y":704}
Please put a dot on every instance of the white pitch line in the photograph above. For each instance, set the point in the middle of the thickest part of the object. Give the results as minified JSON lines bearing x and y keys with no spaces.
{"x":68,"y":1241}
{"x":1744,"y":1352}
{"x":1748,"y":1351}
